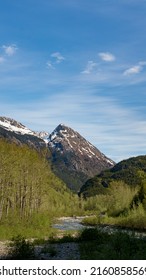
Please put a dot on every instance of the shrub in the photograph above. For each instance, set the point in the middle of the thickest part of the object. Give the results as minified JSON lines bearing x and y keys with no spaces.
{"x":121,"y":197}
{"x":136,"y":218}
{"x":90,"y":221}
{"x":115,"y":246}
{"x":21,"y":249}
{"x":92,"y":234}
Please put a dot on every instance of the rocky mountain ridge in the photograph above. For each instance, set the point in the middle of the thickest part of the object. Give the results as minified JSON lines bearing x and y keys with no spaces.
{"x":15,"y":131}
{"x":72,"y":157}
{"x":14,"y":126}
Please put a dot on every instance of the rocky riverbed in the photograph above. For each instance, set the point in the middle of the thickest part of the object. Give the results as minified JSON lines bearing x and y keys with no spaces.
{"x":4,"y":249}
{"x":49,"y":251}
{"x":58,"y":251}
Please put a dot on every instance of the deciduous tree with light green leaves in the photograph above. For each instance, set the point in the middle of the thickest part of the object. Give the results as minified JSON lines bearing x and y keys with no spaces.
{"x":28,"y":187}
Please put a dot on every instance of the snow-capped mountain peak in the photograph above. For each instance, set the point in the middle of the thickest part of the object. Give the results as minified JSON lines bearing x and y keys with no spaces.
{"x":14,"y":126}
{"x":64,"y":139}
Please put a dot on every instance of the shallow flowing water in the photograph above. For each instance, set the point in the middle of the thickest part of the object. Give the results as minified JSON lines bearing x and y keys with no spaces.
{"x":69,"y":223}
{"x":74,"y":223}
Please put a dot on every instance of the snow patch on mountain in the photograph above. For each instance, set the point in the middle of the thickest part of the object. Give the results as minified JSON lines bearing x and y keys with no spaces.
{"x":14,"y":126}
{"x":43,"y":135}
{"x":65,"y":138}
{"x":110,"y":161}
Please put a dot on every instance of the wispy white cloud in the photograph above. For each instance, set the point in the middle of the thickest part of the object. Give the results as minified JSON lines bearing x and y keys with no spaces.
{"x":89,"y":67}
{"x":10,"y":50}
{"x":58,"y":56}
{"x":114,"y":74}
{"x":55,"y":58}
{"x":136,"y":69}
{"x":7,"y":51}
{"x":107,"y":56}
{"x":50,"y":65}
{"x":133,"y":70}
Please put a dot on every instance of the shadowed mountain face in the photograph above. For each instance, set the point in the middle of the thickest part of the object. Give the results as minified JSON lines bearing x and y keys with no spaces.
{"x":131,"y":171}
{"x":73,"y":158}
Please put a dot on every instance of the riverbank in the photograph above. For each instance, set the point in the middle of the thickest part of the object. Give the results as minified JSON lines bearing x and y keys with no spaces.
{"x":90,"y":244}
{"x":58,"y":248}
{"x":78,"y":223}
{"x":58,"y":251}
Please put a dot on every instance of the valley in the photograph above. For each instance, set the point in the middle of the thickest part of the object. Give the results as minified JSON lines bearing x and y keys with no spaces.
{"x":44,"y":177}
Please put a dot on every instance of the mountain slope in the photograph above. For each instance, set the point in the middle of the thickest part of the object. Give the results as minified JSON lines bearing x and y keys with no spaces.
{"x":74,"y":159}
{"x":20,"y":134}
{"x":132,"y":171}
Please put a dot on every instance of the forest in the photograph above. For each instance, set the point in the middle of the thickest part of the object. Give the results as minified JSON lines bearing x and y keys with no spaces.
{"x":30,"y":194}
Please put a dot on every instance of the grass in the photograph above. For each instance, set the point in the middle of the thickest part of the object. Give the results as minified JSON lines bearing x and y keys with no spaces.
{"x":36,"y":227}
{"x":8,"y":232}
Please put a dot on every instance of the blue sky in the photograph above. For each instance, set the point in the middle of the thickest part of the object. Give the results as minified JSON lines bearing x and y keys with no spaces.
{"x":77,"y":62}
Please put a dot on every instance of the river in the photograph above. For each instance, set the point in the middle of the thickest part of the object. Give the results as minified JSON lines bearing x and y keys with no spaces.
{"x":69,"y":223}
{"x":74,"y":223}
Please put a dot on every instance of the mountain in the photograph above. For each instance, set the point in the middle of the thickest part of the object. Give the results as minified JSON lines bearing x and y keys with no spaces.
{"x":74,"y":159}
{"x":20,"y":134}
{"x":131,"y":171}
